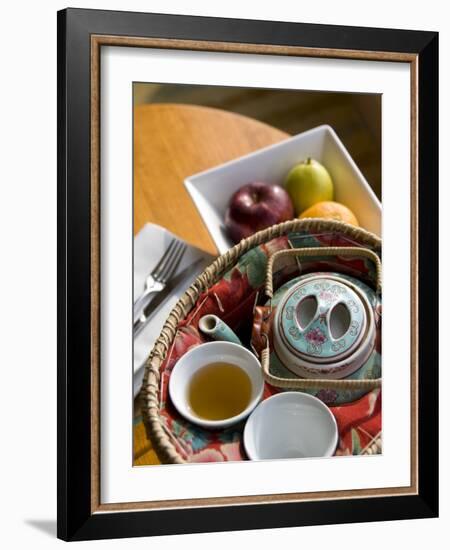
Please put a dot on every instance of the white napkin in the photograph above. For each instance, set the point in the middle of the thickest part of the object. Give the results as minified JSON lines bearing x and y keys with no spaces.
{"x":149,"y":245}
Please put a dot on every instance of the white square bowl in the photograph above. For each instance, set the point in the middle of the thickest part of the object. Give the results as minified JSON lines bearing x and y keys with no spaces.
{"x":212,"y":189}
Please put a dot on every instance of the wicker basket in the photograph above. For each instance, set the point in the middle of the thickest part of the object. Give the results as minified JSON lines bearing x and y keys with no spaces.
{"x":161,"y":440}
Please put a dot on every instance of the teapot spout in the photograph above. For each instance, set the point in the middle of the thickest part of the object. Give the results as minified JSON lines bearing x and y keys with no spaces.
{"x":215,"y":328}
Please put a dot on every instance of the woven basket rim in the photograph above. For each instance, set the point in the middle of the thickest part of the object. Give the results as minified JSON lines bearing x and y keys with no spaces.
{"x":162,"y":441}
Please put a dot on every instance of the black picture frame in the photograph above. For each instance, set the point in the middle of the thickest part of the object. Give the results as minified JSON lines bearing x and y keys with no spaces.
{"x":76,"y":520}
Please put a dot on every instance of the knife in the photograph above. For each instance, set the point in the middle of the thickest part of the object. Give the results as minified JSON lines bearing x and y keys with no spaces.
{"x":162,"y":296}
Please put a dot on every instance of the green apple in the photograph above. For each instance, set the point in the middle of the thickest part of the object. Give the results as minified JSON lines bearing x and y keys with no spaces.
{"x":308,"y":183}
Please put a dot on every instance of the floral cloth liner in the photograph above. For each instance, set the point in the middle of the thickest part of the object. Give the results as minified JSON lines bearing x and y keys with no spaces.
{"x":233,"y":299}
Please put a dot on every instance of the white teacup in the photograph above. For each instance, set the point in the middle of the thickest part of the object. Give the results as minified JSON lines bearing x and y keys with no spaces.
{"x":290,"y":425}
{"x":206,"y":354}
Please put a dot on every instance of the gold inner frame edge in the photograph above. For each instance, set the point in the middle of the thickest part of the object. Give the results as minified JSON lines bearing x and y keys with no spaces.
{"x":97,"y":41}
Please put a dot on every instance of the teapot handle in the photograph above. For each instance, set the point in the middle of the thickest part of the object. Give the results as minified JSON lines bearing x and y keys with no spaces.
{"x":325,"y":251}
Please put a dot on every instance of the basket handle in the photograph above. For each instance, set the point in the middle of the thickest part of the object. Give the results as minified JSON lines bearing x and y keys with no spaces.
{"x":318,"y":251}
{"x":316,"y":383}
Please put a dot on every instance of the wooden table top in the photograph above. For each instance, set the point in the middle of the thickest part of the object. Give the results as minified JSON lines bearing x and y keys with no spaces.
{"x":174,"y":141}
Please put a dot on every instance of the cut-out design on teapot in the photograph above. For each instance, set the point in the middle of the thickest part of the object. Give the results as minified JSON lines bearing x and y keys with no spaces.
{"x":319,"y":323}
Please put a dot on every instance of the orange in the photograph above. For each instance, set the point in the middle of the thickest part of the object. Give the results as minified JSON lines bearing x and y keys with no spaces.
{"x":330,"y":210}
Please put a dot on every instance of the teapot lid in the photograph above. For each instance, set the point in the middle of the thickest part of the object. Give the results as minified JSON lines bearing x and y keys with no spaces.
{"x":322,"y":320}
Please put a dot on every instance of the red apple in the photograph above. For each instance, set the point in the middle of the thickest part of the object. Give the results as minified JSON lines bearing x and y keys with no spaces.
{"x":255,"y":206}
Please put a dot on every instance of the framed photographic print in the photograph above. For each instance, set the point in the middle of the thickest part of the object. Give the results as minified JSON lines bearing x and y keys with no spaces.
{"x":247,"y":274}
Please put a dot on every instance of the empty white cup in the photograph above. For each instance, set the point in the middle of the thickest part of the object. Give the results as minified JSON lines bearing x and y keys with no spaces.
{"x":290,"y":425}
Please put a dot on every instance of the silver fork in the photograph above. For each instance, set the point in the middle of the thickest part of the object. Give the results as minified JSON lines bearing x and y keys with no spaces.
{"x":157,"y":279}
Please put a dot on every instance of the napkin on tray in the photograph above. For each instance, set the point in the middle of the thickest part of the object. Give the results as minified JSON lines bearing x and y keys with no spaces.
{"x":149,"y":245}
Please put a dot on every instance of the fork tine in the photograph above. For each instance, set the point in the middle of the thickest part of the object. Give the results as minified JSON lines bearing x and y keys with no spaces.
{"x":168,"y":267}
{"x":164,"y":258}
{"x":174,"y":263}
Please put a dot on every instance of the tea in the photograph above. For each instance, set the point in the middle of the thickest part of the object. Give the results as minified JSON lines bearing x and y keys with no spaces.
{"x":219,"y":390}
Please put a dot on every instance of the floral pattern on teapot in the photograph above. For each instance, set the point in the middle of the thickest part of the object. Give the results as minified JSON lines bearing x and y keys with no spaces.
{"x":316,"y":336}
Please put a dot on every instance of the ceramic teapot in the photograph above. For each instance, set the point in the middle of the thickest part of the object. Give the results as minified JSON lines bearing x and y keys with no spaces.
{"x":321,"y":332}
